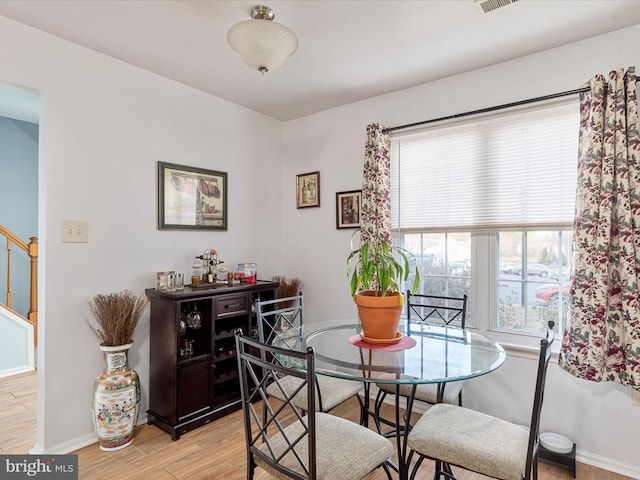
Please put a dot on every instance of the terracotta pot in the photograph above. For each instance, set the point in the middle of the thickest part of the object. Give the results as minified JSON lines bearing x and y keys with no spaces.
{"x":379,"y":316}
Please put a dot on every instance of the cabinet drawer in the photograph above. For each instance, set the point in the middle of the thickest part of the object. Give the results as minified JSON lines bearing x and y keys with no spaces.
{"x":232,"y":305}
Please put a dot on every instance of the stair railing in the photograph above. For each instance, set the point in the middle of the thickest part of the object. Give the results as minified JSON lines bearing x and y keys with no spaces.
{"x":32,"y":250}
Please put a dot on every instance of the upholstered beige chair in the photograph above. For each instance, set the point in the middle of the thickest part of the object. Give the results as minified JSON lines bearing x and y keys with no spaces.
{"x":454,"y":435}
{"x":284,"y":441}
{"x":285,"y":316}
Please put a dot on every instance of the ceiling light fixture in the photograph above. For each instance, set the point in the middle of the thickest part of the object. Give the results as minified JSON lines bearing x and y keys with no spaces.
{"x":263,"y":44}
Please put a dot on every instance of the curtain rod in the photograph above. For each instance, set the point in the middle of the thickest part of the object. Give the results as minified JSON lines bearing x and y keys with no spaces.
{"x":490,"y":109}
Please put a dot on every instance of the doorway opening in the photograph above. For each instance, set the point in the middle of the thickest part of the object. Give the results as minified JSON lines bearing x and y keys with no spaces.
{"x":20,"y":200}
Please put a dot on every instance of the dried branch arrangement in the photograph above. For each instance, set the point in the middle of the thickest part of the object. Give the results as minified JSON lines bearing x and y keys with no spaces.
{"x":288,"y":287}
{"x":117,"y":316}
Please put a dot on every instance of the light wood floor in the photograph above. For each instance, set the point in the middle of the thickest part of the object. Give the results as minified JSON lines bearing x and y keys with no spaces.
{"x":215,"y":451}
{"x":18,"y":413}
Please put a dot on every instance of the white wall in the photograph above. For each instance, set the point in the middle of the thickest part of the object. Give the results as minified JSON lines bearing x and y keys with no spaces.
{"x":105,"y":124}
{"x":599,"y":417}
{"x":104,"y":127}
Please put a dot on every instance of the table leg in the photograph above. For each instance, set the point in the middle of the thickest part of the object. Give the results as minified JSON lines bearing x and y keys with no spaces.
{"x":402,"y":466}
{"x":364,"y":410}
{"x":441,"y":468}
{"x":403,"y":427}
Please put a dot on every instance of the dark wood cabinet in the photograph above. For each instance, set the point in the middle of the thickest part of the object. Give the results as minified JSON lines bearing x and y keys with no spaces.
{"x":193,"y":366}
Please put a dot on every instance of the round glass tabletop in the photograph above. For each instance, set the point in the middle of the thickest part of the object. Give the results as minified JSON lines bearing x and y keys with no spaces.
{"x":431,"y":353}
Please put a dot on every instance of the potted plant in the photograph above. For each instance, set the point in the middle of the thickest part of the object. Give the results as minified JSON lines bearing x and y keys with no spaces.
{"x":376,"y":270}
{"x":116,"y":392}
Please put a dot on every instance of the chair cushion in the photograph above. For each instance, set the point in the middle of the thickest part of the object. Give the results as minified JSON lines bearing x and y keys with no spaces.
{"x":427,"y":392}
{"x":334,"y":391}
{"x":472,"y":440}
{"x":344,"y":449}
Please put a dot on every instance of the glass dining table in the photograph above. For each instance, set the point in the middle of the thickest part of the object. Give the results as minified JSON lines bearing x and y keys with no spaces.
{"x":424,"y":353}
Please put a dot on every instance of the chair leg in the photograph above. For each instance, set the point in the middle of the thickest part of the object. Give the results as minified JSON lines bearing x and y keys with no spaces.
{"x":251,"y":466}
{"x":441,"y":469}
{"x":446,"y":470}
{"x":387,"y":470}
{"x":416,"y":467}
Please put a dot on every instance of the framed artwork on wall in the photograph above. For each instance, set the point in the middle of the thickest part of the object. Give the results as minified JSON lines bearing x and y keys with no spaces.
{"x":308,"y":190}
{"x":162,"y":280}
{"x":348,"y":205}
{"x":191,"y":198}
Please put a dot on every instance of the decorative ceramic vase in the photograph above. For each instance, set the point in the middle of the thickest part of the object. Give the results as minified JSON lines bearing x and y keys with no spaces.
{"x":116,"y":400}
{"x":379,"y":316}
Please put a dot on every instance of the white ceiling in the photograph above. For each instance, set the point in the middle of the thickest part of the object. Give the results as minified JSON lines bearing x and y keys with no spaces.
{"x":349,"y":50}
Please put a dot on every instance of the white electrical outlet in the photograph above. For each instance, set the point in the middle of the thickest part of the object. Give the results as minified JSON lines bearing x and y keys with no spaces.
{"x":635,"y":397}
{"x":75,"y":231}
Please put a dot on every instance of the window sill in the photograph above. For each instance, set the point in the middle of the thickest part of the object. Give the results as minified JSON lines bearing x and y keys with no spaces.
{"x":520,"y":345}
{"x":522,"y":351}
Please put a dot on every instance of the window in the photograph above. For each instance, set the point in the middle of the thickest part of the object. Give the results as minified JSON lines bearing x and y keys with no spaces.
{"x":486,"y":205}
{"x":443,"y":260}
{"x":532,"y":279}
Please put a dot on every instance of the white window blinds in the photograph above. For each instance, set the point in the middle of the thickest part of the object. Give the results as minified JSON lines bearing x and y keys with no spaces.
{"x":508,"y":170}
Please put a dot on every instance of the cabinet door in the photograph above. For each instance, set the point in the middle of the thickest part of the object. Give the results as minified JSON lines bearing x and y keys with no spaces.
{"x":194,"y":389}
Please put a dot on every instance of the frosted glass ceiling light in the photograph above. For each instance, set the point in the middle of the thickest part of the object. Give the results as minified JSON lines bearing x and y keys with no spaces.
{"x":263,"y":44}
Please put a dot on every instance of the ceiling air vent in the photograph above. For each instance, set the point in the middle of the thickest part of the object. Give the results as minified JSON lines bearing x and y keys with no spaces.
{"x":490,"y":5}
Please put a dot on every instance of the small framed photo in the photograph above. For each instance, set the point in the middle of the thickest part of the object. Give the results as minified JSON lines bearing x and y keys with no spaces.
{"x":308,"y":190}
{"x":162,"y":280}
{"x":348,"y":206}
{"x":191,"y":198}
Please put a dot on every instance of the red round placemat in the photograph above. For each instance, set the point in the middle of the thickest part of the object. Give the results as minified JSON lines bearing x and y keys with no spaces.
{"x":404,"y":343}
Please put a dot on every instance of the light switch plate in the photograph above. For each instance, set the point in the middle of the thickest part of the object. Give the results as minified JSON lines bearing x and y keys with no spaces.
{"x":75,"y":231}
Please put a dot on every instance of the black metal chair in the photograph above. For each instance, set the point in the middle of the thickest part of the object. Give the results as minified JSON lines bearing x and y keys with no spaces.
{"x":423,"y":309}
{"x":285,"y":442}
{"x":454,"y":435}
{"x":284,"y":318}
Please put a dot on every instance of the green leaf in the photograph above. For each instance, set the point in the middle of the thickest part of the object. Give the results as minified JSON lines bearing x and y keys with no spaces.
{"x":378,"y":265}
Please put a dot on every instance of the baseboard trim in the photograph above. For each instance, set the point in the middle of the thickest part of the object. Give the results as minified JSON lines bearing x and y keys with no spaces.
{"x":72,"y":445}
{"x":83,"y":441}
{"x":608,"y":464}
{"x":16,"y":371}
{"x":36,"y":449}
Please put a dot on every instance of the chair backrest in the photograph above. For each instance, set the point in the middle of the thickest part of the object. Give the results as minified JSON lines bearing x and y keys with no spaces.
{"x":265,"y":417}
{"x":436,"y":309}
{"x":534,"y":429}
{"x":276,"y":316}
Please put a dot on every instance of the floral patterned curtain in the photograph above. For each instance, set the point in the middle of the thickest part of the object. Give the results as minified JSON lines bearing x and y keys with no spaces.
{"x":602,"y":339}
{"x":375,"y":218}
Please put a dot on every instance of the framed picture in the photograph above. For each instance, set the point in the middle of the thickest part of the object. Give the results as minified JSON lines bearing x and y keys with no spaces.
{"x":162,"y":280}
{"x":308,"y":190}
{"x":348,"y":205}
{"x":191,"y":198}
